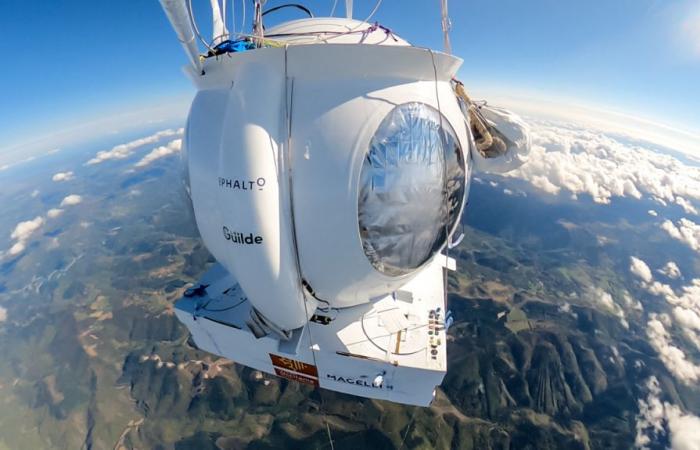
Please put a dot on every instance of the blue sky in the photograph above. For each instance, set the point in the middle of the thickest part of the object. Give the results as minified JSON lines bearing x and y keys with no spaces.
{"x":102,"y":63}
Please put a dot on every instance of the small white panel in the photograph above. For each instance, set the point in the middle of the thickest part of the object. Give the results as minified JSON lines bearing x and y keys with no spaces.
{"x":392,"y":319}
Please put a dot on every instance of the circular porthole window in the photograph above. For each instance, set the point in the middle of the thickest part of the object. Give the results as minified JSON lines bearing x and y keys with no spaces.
{"x":412,"y":187}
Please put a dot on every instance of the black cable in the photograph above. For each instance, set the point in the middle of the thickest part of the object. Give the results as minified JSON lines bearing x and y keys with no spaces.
{"x":289,"y":5}
{"x":309,"y":290}
{"x":204,"y":308}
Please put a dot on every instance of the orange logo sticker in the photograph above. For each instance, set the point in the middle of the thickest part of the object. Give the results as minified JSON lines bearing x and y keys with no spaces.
{"x":294,"y":365}
{"x":296,"y":377}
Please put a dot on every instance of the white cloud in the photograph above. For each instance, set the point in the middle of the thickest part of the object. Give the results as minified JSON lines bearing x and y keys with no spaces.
{"x":685,"y":429}
{"x":653,"y":213}
{"x":631,"y":303}
{"x":53,"y":244}
{"x":686,"y":319}
{"x":686,"y":205}
{"x":63,"y":176}
{"x":122,"y":151}
{"x":34,"y":193}
{"x":605,"y":300}
{"x":657,"y":419}
{"x":689,"y":297}
{"x":542,"y":183}
{"x":651,"y":415}
{"x":685,"y":230}
{"x":673,"y":357}
{"x":656,"y":288}
{"x":54,"y":212}
{"x":640,"y":268}
{"x":24,"y":230}
{"x":671,"y":270}
{"x":3,"y":314}
{"x":160,"y":152}
{"x":659,"y":201}
{"x":582,"y":161}
{"x":71,"y":200}
{"x":686,"y":311}
{"x":567,"y":225}
{"x":17,"y":248}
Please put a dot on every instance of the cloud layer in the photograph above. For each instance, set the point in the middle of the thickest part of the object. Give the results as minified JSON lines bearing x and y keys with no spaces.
{"x":122,"y":151}
{"x":657,"y":418}
{"x":685,"y":230}
{"x":25,"y":230}
{"x":569,"y":159}
{"x":684,"y":317}
{"x":160,"y":152}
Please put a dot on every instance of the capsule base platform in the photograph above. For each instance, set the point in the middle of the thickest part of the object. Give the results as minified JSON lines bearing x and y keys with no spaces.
{"x":392,"y":348}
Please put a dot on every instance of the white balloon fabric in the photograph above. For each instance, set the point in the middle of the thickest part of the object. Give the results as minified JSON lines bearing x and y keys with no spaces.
{"x":512,"y":131}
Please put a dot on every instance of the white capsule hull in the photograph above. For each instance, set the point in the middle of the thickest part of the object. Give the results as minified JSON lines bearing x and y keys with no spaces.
{"x":326,"y":101}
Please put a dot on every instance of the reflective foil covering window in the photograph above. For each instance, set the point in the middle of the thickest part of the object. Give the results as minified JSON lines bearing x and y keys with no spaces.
{"x":412,"y":185}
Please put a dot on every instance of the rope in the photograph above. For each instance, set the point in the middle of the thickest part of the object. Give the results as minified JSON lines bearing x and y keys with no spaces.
{"x":288,"y":166}
{"x":352,"y":30}
{"x":483,"y":138}
{"x":408,"y":428}
{"x":258,"y":37}
{"x":444,"y":169}
{"x":228,"y":308}
{"x":194,"y":25}
{"x":289,"y":5}
{"x":486,"y":143}
{"x":447,"y":222}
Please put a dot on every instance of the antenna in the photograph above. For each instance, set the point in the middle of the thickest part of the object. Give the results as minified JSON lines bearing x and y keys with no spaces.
{"x":348,"y":9}
{"x":179,"y":18}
